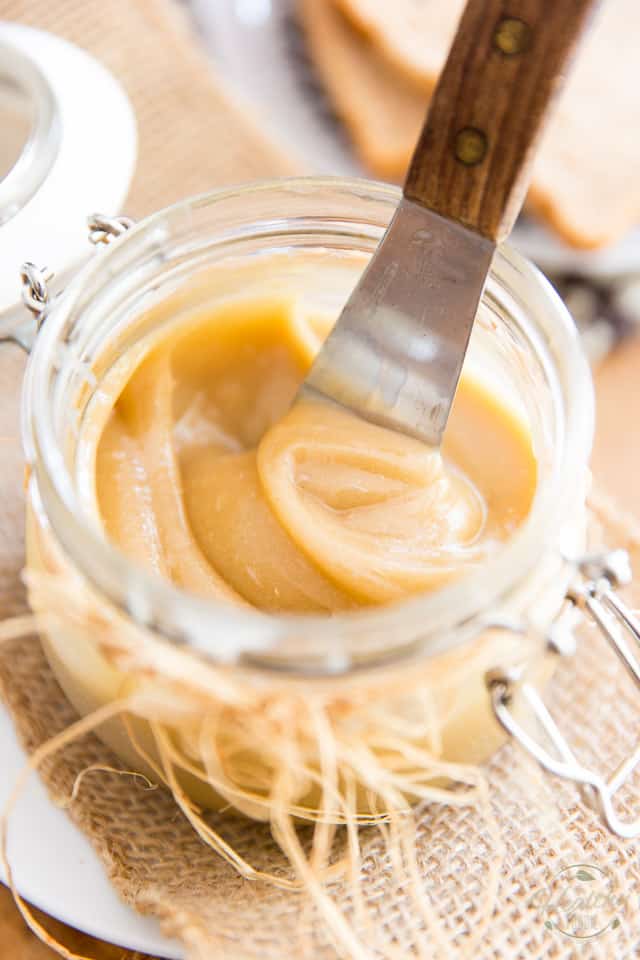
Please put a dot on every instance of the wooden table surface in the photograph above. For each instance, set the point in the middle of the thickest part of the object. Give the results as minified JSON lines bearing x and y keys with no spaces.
{"x":616,"y":463}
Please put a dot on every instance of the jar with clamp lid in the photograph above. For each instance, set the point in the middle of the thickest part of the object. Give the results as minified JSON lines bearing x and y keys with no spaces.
{"x":466,"y":654}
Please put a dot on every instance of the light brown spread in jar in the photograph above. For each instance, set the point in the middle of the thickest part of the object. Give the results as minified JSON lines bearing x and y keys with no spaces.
{"x":205,"y":473}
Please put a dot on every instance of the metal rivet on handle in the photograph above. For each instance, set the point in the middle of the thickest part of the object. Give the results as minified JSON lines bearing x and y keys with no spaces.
{"x":511,"y":36}
{"x":471,"y":146}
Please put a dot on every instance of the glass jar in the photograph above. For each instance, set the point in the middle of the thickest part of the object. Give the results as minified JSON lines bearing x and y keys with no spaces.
{"x":312,"y":238}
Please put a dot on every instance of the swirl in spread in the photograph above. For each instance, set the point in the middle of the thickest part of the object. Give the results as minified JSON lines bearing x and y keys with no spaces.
{"x":207,"y":474}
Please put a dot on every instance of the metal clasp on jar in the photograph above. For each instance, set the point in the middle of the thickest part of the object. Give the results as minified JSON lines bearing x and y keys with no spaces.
{"x":595,"y":596}
{"x":37,"y":293}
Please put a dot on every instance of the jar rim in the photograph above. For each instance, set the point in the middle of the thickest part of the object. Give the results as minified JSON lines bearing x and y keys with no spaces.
{"x":255,"y":633}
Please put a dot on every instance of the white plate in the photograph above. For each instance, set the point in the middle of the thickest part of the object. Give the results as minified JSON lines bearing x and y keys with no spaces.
{"x":56,"y":869}
{"x":261,"y":53}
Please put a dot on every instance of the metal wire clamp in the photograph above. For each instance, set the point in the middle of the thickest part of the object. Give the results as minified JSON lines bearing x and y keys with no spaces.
{"x":595,"y":595}
{"x":36,"y":281}
{"x":35,"y":289}
{"x":104,"y":229}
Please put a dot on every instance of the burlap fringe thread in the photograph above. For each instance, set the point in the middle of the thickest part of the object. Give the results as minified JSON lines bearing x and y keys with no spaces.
{"x":420,"y":882}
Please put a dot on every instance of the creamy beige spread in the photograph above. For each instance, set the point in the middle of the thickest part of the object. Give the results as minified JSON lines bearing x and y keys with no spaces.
{"x":205,"y":473}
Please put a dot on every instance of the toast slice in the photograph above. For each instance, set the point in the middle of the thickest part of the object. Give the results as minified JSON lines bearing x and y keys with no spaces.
{"x":382,"y":110}
{"x":586,"y":177}
{"x":411,"y":35}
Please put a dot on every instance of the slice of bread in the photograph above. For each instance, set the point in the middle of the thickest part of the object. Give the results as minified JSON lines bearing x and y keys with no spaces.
{"x":382,"y":110}
{"x":586,"y":178}
{"x":412,"y":35}
{"x":380,"y":68}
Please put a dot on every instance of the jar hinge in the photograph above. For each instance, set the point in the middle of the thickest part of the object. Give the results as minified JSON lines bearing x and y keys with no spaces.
{"x":36,"y":281}
{"x":595,"y":595}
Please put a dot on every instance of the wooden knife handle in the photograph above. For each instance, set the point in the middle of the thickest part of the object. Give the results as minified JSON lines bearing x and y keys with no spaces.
{"x":473,"y":158}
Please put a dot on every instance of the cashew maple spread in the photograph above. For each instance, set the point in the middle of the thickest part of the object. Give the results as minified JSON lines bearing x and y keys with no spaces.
{"x":206,"y":473}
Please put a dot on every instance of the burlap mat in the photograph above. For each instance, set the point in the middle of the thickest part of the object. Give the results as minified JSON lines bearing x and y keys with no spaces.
{"x":190,"y":140}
